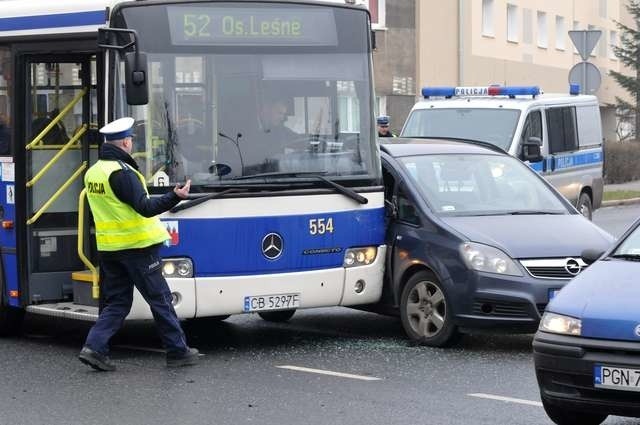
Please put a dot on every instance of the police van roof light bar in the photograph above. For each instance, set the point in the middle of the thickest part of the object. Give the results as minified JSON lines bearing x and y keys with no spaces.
{"x":511,"y":91}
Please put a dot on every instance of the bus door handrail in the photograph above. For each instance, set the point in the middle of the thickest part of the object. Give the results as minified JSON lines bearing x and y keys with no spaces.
{"x":57,"y":156}
{"x":57,"y":193}
{"x":95,"y":289}
{"x":57,"y":119}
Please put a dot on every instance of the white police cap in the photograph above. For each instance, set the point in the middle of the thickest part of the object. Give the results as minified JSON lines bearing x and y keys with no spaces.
{"x":118,"y":129}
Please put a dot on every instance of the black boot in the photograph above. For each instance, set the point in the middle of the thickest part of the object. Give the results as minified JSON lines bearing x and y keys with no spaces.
{"x":188,"y":358}
{"x":96,"y":360}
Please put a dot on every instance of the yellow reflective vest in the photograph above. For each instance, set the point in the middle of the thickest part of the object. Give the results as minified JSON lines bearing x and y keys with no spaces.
{"x":118,"y":225}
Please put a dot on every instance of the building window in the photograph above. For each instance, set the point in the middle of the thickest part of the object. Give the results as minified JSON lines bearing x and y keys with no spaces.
{"x":487,"y":18}
{"x":561,"y":35}
{"x":602,"y":7}
{"x":512,"y":23}
{"x":527,"y":27}
{"x":377,"y":11}
{"x":613,"y":42}
{"x":543,"y":37}
{"x":602,"y":43}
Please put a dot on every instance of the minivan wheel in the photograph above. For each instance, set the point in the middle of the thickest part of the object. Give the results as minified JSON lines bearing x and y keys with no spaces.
{"x":584,"y":205}
{"x":425,"y":311}
{"x":571,"y":417}
{"x":277,"y":316}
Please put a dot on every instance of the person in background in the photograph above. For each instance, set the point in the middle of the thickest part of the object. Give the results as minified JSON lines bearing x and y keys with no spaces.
{"x":129,"y":235}
{"x":383,"y":126}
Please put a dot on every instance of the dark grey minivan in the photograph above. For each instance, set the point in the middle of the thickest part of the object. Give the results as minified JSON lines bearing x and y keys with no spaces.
{"x":476,"y":239}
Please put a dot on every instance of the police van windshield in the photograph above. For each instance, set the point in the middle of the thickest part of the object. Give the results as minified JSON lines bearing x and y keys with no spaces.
{"x":495,"y":126}
{"x":474,"y":184}
{"x":238,"y":89}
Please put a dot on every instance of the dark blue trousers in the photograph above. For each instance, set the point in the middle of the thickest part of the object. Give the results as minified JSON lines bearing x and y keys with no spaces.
{"x":119,"y":274}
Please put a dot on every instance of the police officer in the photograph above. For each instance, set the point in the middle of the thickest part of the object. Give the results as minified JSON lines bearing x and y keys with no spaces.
{"x":383,"y":126}
{"x":129,"y":235}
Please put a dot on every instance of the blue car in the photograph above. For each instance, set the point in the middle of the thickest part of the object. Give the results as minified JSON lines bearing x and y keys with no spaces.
{"x":476,"y":239}
{"x":587,"y":349}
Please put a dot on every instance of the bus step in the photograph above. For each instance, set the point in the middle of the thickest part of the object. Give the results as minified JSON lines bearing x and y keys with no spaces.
{"x":66,"y":310}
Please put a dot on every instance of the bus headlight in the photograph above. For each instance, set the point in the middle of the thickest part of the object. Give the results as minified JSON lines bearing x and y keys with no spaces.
{"x":354,"y":257}
{"x":177,"y":267}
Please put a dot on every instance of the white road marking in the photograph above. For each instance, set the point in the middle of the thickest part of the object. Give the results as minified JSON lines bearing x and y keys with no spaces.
{"x":506,"y":399}
{"x":136,"y":348}
{"x":330,"y":373}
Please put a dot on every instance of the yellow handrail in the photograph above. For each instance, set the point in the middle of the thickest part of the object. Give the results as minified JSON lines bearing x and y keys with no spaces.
{"x":57,"y":156}
{"x":56,"y":147}
{"x":95,"y":288}
{"x":57,"y":119}
{"x":57,"y":193}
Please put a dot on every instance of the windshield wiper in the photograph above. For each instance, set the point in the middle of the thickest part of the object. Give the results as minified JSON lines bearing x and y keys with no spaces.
{"x":197,"y":201}
{"x":350,"y":193}
{"x":630,"y":257}
{"x":534,"y":212}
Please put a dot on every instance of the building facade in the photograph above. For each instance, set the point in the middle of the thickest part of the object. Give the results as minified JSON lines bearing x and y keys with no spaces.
{"x":394,"y":59}
{"x":517,"y":42}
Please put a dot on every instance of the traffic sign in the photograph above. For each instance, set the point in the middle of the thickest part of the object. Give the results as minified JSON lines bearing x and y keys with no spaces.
{"x":585,"y":41}
{"x":587,"y":75}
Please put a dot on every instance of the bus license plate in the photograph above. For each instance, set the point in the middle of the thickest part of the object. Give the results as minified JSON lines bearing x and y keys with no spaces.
{"x":271,"y":302}
{"x":616,"y":378}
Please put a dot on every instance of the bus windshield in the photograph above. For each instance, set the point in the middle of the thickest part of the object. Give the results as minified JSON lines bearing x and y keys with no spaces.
{"x":495,"y":126}
{"x":246,"y":89}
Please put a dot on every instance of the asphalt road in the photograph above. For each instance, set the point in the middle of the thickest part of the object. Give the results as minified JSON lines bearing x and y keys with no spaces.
{"x":486,"y":379}
{"x":616,"y":220}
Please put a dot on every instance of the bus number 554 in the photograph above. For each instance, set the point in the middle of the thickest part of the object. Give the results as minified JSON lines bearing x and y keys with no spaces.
{"x":320,"y":226}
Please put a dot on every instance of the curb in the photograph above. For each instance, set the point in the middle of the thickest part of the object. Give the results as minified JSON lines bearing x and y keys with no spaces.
{"x":617,"y":202}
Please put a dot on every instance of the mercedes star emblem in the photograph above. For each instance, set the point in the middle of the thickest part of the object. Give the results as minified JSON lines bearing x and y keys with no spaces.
{"x":638,"y":331}
{"x":572,"y":267}
{"x":272,"y":246}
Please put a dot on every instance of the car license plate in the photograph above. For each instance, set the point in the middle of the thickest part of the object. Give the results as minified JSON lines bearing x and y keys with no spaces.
{"x":271,"y":302}
{"x":616,"y":378}
{"x":553,"y":293}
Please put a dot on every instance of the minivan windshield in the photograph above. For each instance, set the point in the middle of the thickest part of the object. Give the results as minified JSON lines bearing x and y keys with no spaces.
{"x":479,"y":184}
{"x":630,"y":247}
{"x":495,"y":126}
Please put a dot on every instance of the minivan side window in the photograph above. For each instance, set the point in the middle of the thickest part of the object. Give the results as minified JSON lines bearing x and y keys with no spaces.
{"x":532,"y":126}
{"x":561,"y":127}
{"x":406,"y":209}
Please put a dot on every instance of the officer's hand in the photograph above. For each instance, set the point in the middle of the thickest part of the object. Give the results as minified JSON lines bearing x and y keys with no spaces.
{"x":183,"y":191}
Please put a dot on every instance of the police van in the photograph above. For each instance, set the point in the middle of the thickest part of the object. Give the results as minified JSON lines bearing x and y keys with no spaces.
{"x":559,"y":135}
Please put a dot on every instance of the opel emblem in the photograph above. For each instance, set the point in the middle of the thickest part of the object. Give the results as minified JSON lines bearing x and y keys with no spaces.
{"x":572,"y":267}
{"x":638,"y":331}
{"x":272,"y":246}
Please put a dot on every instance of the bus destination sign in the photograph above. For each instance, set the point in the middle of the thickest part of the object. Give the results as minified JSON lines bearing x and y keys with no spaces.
{"x":220,"y":26}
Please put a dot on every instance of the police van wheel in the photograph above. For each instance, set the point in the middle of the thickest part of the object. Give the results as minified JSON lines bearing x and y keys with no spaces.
{"x":426,"y":313}
{"x":11,"y":321}
{"x":584,"y":205}
{"x":571,"y":417}
{"x":277,"y":316}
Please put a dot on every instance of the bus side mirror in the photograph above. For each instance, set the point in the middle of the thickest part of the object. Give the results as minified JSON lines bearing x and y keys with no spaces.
{"x":531,"y":150}
{"x":135,"y":68}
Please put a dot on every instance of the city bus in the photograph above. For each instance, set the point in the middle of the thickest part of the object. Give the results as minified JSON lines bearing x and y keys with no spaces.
{"x":266,"y":106}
